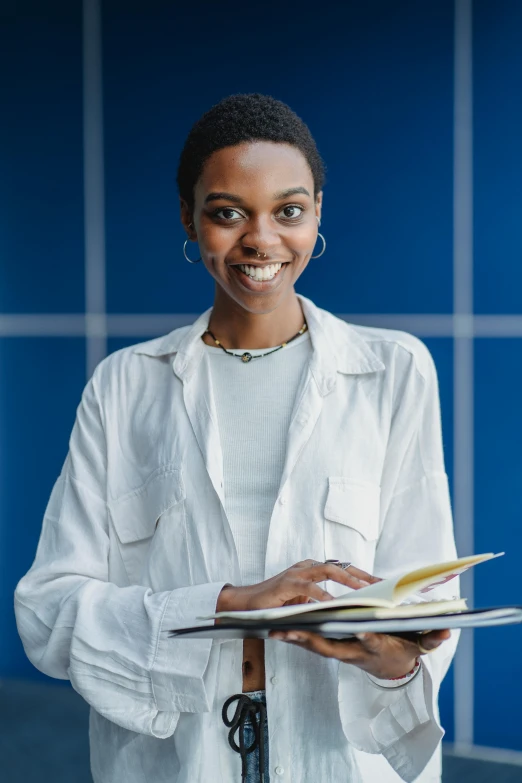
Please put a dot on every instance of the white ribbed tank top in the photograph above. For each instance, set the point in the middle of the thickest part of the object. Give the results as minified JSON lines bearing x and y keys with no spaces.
{"x":254,"y":403}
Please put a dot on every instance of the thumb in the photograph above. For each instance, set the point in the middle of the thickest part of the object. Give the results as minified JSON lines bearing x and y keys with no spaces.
{"x":430,"y":641}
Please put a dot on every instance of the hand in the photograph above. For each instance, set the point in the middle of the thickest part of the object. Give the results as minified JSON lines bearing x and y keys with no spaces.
{"x":382,"y":655}
{"x":296,"y":585}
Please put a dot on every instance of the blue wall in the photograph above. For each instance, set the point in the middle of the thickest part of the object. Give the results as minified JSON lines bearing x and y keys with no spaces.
{"x":374,"y":81}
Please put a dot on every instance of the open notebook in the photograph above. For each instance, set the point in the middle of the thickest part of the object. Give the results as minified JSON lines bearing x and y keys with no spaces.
{"x":387,"y":594}
{"x":391,"y":605}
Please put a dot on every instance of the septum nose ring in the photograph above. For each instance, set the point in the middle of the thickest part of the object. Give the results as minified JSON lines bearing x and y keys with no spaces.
{"x":259,"y":255}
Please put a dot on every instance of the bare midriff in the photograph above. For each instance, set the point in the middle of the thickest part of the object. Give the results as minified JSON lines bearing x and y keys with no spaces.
{"x":253,"y":665}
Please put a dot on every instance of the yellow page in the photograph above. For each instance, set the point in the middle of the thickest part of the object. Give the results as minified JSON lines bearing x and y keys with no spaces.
{"x":394,"y":591}
{"x":425,"y":579}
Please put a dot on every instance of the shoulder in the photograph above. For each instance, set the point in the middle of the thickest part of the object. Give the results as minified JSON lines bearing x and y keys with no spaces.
{"x":395,"y":346}
{"x":372,"y":347}
{"x":398,"y":350}
{"x":409,"y":377}
{"x":139,"y":359}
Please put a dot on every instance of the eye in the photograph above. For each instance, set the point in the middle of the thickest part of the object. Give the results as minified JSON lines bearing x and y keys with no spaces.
{"x":291,"y":211}
{"x":227,"y":213}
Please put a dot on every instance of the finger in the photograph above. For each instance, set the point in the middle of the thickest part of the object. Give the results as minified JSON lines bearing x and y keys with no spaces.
{"x":347,"y":650}
{"x":379,"y":643}
{"x":298,"y":599}
{"x":311,"y":590}
{"x":373,"y":642}
{"x":376,"y":643}
{"x":305,"y":563}
{"x":324,"y":571}
{"x":360,"y":574}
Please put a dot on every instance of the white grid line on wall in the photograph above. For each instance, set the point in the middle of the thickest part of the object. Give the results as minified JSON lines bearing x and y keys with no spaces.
{"x":142,"y":325}
{"x":94,"y":187}
{"x":463,"y":688}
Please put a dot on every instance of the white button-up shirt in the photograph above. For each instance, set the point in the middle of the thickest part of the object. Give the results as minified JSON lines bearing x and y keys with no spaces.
{"x":135,"y":541}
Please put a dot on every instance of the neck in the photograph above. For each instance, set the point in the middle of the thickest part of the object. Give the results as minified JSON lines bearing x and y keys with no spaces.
{"x":238,"y":328}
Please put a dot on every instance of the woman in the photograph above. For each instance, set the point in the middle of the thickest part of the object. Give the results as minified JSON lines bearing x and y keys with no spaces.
{"x":220,"y":467}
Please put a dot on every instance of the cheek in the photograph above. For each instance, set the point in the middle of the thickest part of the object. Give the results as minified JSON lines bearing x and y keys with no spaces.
{"x":301,"y":239}
{"x":213,"y":239}
{"x":214,"y":243}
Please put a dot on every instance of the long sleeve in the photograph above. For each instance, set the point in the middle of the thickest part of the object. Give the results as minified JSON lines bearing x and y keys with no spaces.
{"x":416,"y":529}
{"x":110,"y":641}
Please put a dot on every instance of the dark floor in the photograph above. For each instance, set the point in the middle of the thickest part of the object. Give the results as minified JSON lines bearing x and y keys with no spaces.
{"x":44,"y":737}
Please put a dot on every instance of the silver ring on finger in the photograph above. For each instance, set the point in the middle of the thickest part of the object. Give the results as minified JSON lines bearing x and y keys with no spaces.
{"x":339,"y":563}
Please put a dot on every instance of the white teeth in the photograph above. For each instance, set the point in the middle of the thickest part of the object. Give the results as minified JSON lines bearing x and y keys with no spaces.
{"x":259,"y":273}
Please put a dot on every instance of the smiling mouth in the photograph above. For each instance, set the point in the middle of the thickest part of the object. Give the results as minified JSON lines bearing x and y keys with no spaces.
{"x":260,"y":272}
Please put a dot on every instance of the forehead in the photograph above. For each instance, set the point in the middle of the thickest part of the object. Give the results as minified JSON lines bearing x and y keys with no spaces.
{"x":260,"y":165}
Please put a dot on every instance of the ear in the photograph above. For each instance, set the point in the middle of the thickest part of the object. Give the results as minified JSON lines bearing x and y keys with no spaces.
{"x":319,"y":204}
{"x":187,"y":220}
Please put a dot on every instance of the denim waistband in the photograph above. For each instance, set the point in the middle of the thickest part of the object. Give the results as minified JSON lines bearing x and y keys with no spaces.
{"x":256,"y":695}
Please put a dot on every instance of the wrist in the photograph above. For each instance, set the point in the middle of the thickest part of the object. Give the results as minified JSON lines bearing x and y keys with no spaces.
{"x":408,"y":674}
{"x":389,"y":683}
{"x":233,"y":599}
{"x":225,"y":601}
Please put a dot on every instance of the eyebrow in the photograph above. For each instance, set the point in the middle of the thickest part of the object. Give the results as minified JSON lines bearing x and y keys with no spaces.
{"x":290,"y":192}
{"x":238,"y":200}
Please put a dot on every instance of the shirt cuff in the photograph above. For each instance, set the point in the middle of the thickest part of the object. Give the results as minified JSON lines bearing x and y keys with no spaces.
{"x":179,"y":665}
{"x":398,"y":723}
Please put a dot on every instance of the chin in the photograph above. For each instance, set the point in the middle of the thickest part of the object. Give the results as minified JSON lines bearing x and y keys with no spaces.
{"x":261,"y":305}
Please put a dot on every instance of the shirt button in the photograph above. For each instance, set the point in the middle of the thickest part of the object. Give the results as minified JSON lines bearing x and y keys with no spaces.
{"x":273,"y":680}
{"x":279,"y":770}
{"x":282,"y":500}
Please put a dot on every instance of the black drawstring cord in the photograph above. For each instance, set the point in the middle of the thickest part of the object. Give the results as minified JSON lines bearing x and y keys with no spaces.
{"x":246,"y":707}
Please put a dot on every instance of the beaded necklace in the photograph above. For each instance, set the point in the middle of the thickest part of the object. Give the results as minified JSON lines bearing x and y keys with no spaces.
{"x":246,"y":357}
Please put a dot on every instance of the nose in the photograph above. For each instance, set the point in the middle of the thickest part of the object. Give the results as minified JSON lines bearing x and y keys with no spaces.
{"x":261,"y":235}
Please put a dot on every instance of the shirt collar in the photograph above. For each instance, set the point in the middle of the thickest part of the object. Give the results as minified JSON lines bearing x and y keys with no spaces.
{"x":337,"y":346}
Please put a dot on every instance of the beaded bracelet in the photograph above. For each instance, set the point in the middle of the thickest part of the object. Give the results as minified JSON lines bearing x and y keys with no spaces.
{"x":396,"y":682}
{"x":408,"y":674}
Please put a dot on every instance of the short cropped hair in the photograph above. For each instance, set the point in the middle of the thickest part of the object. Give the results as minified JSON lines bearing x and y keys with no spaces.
{"x":244,"y":118}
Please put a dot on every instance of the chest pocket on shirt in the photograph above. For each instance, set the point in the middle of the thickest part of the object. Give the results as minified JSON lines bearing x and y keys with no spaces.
{"x":138,"y":514}
{"x":351,"y":524}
